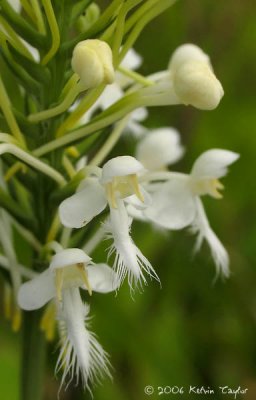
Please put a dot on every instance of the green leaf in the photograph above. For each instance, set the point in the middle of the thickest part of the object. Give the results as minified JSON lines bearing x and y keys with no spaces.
{"x":61,"y":194}
{"x":24,"y":78}
{"x":37,"y":71}
{"x":11,"y":85}
{"x":22,"y":27}
{"x":10,"y":205}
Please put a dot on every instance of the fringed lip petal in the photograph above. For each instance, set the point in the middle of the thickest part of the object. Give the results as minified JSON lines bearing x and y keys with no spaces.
{"x":213,"y":164}
{"x":36,"y":293}
{"x":76,"y":211}
{"x":202,"y":228}
{"x":69,"y":257}
{"x":102,"y":278}
{"x":173,"y":205}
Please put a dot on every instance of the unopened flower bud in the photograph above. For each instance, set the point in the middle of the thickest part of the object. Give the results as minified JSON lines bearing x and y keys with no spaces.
{"x":92,"y":61}
{"x":90,"y":16}
{"x":193,"y":78}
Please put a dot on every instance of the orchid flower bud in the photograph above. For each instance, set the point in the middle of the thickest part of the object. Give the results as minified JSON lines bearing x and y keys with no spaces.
{"x":92,"y":61}
{"x":193,"y":78}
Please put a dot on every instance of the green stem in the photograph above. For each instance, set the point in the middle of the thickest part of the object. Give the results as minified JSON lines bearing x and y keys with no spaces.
{"x":120,"y":25}
{"x":54,"y":31}
{"x":100,"y":25}
{"x":33,"y":358}
{"x":110,"y":142}
{"x":32,"y":161}
{"x":111,"y":115}
{"x":150,"y":15}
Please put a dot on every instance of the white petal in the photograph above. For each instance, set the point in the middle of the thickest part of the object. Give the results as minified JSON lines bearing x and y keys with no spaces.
{"x":213,"y":164}
{"x":69,"y":257}
{"x":132,"y":60}
{"x":135,"y":128}
{"x":102,"y":278}
{"x":81,"y":355}
{"x":76,"y":211}
{"x":139,"y":114}
{"x":173,"y":205}
{"x":120,"y":166}
{"x":202,"y":228}
{"x":128,"y":258}
{"x":187,"y":52}
{"x":36,"y":293}
{"x":159,"y":147}
{"x":136,"y":202}
{"x":136,"y":213}
{"x":111,"y":94}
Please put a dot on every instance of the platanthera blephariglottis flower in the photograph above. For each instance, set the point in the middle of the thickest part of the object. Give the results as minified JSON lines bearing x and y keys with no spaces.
{"x":176,"y":202}
{"x":117,"y":185}
{"x":189,"y":80}
{"x":92,"y":61}
{"x":81,"y":355}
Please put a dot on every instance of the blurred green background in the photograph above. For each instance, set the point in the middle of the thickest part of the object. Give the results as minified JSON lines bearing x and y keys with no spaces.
{"x":190,"y":332}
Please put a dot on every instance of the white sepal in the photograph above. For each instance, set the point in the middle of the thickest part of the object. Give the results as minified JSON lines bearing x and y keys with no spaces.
{"x":36,"y":293}
{"x":173,"y":204}
{"x":120,"y":166}
{"x":68,"y":257}
{"x":159,"y":148}
{"x":212,"y":164}
{"x":76,"y":211}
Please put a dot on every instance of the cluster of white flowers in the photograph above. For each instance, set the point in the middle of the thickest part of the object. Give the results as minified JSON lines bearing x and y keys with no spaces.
{"x":140,"y":187}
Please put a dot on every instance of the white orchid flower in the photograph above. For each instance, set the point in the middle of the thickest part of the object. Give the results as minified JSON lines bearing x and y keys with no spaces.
{"x":69,"y":270}
{"x":176,"y":202}
{"x":118,"y":185}
{"x":189,"y":80}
